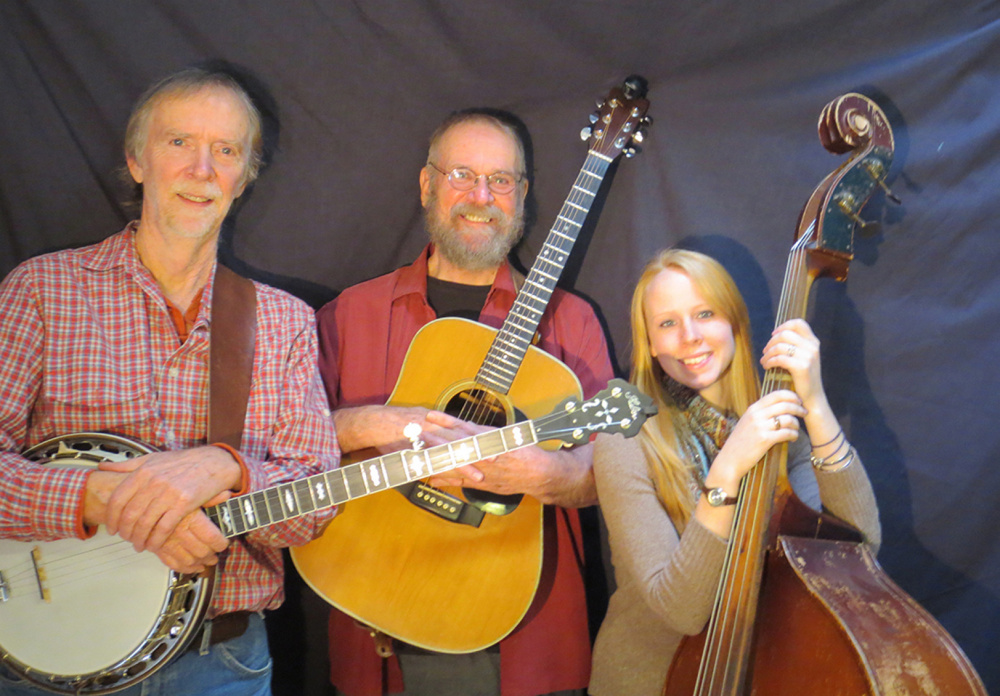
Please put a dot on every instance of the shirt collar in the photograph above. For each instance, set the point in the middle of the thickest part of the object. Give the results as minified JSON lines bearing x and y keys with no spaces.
{"x":118,"y":251}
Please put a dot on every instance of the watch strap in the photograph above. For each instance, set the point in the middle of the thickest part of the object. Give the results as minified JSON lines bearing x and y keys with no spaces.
{"x":717,"y":497}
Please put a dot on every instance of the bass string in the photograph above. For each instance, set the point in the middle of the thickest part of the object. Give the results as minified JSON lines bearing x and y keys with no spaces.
{"x":722,"y":649}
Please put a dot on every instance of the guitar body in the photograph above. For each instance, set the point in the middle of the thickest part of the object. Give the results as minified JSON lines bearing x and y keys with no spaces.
{"x":418,"y":577}
{"x":429,"y":569}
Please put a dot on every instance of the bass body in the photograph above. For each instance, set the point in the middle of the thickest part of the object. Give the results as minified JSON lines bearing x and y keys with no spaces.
{"x":802,"y":606}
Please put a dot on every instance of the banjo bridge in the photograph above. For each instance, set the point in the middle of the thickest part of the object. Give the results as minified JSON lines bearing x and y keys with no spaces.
{"x":40,"y":575}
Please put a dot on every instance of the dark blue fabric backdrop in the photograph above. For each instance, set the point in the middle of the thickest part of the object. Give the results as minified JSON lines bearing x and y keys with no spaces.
{"x":911,"y":341}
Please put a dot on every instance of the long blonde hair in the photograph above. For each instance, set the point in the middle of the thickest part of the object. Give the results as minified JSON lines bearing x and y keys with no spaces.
{"x":740,"y":382}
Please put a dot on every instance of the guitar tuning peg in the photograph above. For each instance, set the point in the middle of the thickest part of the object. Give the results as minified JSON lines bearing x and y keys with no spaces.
{"x":647,"y":120}
{"x":600,"y":104}
{"x":585,"y":133}
{"x":639,"y":136}
{"x":593,"y":118}
{"x":631,"y":151}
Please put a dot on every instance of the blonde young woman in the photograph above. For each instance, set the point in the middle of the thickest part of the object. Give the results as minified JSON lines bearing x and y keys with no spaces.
{"x":668,"y":495}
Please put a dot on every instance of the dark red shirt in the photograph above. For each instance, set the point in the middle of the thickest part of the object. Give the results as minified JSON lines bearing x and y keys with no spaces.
{"x":364,"y":335}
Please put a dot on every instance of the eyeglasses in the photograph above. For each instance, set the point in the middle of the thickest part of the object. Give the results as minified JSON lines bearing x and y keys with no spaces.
{"x":464,"y":179}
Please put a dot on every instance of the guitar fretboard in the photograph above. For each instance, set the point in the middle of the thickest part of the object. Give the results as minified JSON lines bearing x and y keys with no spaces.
{"x":512,"y":340}
{"x":286,"y":501}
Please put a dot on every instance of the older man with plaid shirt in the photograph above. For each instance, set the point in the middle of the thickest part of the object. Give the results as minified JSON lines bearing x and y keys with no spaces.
{"x":114,"y":337}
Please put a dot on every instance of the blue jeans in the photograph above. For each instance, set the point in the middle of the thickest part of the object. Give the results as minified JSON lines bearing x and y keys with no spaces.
{"x":237,"y":667}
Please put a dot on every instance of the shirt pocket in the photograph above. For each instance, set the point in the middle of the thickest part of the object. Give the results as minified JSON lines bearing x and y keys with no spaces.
{"x":98,"y":388}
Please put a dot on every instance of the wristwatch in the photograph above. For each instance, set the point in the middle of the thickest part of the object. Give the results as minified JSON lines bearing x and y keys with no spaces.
{"x":717,"y":497}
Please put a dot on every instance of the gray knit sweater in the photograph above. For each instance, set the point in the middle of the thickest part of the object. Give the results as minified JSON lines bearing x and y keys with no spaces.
{"x":666,"y":584}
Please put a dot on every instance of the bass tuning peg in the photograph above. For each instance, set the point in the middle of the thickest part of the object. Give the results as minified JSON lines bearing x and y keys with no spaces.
{"x":846,"y":202}
{"x":877,"y":172}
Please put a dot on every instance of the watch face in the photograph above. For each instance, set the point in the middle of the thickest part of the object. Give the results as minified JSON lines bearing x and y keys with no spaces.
{"x":716,"y":496}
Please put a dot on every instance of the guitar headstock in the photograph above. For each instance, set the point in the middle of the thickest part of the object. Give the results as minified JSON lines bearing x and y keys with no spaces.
{"x":850,"y":123}
{"x":620,"y":120}
{"x":618,"y":408}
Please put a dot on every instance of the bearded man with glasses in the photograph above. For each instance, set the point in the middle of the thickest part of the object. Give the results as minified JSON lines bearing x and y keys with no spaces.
{"x":473,"y":191}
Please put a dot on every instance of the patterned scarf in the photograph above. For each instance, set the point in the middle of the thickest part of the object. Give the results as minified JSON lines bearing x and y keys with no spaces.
{"x":708,"y":427}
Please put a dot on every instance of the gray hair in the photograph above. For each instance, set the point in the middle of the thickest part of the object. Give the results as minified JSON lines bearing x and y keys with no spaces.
{"x":186,"y":82}
{"x":502,"y":120}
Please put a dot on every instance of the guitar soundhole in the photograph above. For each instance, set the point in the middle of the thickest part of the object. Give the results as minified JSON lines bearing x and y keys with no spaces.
{"x":481,"y":406}
{"x":478,"y":406}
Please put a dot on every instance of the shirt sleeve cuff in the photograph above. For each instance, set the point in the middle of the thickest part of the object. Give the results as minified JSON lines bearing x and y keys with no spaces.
{"x":244,"y":471}
{"x":83,"y":531}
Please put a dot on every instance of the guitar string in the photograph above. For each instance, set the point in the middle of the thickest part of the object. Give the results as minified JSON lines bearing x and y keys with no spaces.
{"x":521,"y":325}
{"x":575,"y":209}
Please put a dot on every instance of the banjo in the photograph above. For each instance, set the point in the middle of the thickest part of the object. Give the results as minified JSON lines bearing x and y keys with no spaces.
{"x":94,"y":617}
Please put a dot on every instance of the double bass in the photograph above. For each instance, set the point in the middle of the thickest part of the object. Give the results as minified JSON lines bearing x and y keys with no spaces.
{"x":802,"y":606}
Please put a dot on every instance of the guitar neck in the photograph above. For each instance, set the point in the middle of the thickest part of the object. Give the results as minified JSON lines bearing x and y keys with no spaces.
{"x":286,"y":501}
{"x":512,"y":340}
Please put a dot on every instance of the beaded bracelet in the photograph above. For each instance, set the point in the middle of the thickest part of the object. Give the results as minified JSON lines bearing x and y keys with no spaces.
{"x":829,"y":467}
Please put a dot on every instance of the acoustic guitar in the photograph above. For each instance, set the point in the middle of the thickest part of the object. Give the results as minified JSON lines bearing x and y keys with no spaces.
{"x":421,"y":564}
{"x":92,"y":616}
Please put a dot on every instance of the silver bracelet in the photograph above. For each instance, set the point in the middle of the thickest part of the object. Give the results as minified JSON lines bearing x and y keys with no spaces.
{"x":829,"y":467}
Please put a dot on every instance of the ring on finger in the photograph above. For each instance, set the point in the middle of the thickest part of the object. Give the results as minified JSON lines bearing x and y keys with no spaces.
{"x":791,"y":351}
{"x":777,"y":422}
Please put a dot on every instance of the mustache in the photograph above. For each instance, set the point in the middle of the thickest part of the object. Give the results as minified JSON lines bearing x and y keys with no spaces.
{"x":490,"y":210}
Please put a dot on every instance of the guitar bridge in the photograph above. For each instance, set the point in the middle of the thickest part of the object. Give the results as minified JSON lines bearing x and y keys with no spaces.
{"x":444,"y":505}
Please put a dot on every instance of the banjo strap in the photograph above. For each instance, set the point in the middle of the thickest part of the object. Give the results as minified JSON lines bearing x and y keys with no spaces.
{"x":231,"y":347}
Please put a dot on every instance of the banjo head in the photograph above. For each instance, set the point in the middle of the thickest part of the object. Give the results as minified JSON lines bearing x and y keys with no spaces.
{"x":92,"y":616}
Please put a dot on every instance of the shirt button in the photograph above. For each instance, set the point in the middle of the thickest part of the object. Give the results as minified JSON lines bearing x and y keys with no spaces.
{"x":173,"y":372}
{"x":326,"y":412}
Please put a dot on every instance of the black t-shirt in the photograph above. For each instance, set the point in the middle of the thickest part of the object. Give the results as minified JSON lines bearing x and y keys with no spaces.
{"x":449,"y":299}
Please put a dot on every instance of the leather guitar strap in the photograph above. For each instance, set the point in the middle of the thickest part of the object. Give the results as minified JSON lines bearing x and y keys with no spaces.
{"x":230,"y":361}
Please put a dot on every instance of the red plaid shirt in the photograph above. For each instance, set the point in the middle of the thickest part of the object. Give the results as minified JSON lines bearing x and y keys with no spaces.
{"x":87,"y":344}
